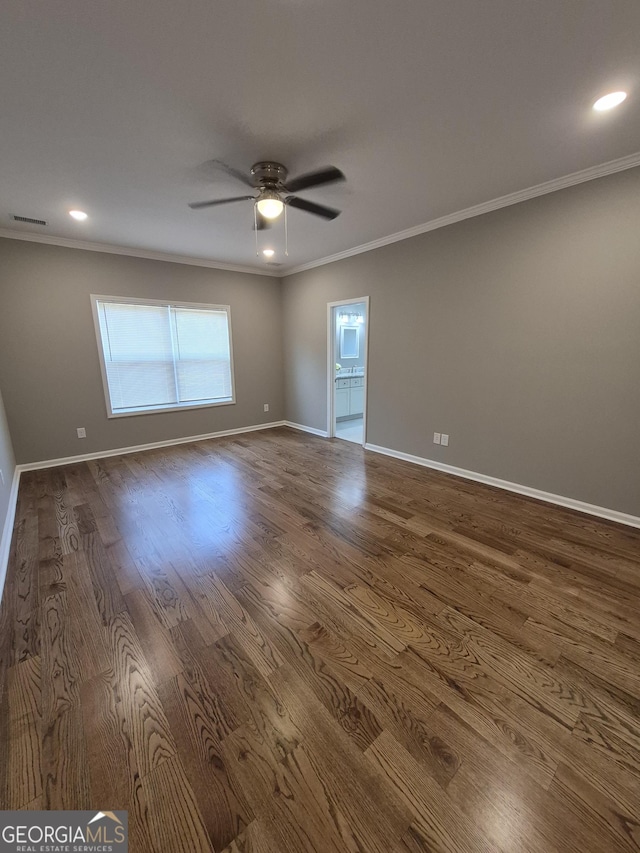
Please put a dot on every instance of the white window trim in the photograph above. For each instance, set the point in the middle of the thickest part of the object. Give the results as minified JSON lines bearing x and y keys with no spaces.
{"x":178,"y":407}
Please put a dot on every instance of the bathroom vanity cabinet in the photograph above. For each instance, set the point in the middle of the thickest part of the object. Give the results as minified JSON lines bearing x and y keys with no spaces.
{"x":349,"y":397}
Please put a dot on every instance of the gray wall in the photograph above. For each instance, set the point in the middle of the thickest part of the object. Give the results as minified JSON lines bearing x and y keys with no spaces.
{"x":7,"y":466}
{"x":516,"y":332}
{"x":49,"y":369}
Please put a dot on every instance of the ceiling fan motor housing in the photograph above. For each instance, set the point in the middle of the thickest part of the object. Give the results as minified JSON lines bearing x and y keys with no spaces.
{"x":268,"y":174}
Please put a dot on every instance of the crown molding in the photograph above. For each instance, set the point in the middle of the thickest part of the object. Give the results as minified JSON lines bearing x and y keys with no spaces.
{"x":128,"y":251}
{"x":571,"y":180}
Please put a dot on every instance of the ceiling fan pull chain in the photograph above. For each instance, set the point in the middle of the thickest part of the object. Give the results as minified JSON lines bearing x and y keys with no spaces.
{"x":286,"y":234}
{"x":255,"y":226}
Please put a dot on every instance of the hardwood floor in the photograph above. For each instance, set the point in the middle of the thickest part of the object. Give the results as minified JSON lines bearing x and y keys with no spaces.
{"x":281,"y":643}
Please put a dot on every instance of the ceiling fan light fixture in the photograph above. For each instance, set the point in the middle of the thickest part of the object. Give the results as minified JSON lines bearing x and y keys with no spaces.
{"x":270,"y":205}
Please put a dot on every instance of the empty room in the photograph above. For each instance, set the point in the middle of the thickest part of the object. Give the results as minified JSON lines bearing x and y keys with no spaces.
{"x":319,"y":427}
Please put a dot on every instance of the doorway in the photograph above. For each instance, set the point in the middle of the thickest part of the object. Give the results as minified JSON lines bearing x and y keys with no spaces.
{"x":348,"y":337}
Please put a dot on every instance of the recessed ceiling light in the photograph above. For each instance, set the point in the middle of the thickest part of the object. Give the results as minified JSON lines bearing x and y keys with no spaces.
{"x":608,"y":102}
{"x":268,"y":253}
{"x":80,"y":215}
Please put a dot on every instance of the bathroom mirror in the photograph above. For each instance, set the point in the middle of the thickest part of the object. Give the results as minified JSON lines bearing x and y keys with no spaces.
{"x":349,"y":341}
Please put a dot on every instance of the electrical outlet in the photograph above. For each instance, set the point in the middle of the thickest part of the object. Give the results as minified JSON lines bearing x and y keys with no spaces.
{"x":444,"y":440}
{"x":436,"y":438}
{"x":266,"y":407}
{"x":82,"y":433}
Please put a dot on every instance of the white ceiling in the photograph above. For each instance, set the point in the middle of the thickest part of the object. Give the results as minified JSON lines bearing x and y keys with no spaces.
{"x":428,"y":107}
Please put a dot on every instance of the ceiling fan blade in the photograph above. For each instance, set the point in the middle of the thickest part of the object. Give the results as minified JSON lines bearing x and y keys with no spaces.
{"x":197,"y":205}
{"x":311,"y":207}
{"x":328,"y":175}
{"x":235,"y":173}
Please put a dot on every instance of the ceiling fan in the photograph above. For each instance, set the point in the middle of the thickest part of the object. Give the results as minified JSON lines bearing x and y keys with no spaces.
{"x":274,"y":190}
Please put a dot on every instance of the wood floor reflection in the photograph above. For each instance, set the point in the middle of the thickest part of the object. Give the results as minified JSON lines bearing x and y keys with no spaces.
{"x":276,"y":642}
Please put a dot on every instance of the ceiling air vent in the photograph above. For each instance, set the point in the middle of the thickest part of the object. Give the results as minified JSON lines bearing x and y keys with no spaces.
{"x":30,"y":221}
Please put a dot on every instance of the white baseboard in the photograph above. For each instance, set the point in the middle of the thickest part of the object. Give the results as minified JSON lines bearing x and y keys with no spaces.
{"x":7,"y":531}
{"x":121,"y":451}
{"x":548,"y":497}
{"x":320,"y":432}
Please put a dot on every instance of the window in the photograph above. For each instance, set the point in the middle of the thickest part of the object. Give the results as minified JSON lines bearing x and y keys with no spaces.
{"x":157,"y":356}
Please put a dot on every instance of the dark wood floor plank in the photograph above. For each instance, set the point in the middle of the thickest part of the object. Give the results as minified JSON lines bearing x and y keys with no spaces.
{"x":602,"y":659}
{"x":134,"y":688}
{"x":23,"y":734}
{"x":107,"y":594}
{"x":376,"y":816}
{"x":507,"y":805}
{"x":235,"y":618}
{"x":269,"y":717}
{"x":327,"y":686}
{"x":394,"y":704}
{"x":436,"y":820}
{"x":202,"y":667}
{"x":154,"y":636}
{"x":122,"y":564}
{"x":188,"y":704}
{"x":517,"y":672}
{"x":169,"y":593}
{"x":401,"y":624}
{"x":56,"y":486}
{"x":628,"y":646}
{"x":49,"y":546}
{"x":175,"y":822}
{"x":113,"y":768}
{"x":254,"y":839}
{"x":288,"y":796}
{"x":340,"y":655}
{"x":65,"y":765}
{"x":339,"y":614}
{"x":22,"y":585}
{"x":61,"y":667}
{"x":597,"y":813}
{"x":88,"y":633}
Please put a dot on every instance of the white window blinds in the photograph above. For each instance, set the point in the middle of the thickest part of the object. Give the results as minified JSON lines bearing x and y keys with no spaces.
{"x":159,"y":356}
